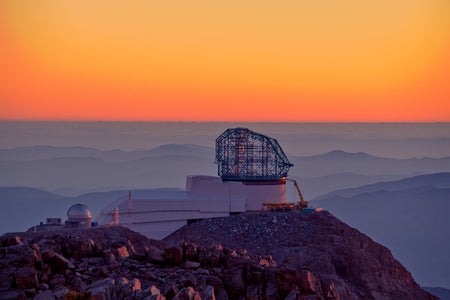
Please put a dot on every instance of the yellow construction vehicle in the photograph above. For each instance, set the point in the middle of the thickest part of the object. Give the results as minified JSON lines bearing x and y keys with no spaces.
{"x":279,"y":206}
{"x":288,"y":206}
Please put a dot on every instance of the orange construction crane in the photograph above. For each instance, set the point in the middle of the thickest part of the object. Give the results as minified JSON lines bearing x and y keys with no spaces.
{"x":288,"y":206}
{"x":301,"y":203}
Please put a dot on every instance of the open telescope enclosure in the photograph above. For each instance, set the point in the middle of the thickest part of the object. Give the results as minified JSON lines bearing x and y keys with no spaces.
{"x":245,"y":155}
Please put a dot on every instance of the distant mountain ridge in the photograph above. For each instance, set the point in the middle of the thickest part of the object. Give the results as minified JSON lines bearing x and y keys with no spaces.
{"x":316,"y":186}
{"x":343,"y":154}
{"x":362,"y":163}
{"x":438,"y":180}
{"x":340,"y":154}
{"x":410,"y":216}
{"x":43,"y":152}
{"x":443,"y":294}
{"x":76,"y":170}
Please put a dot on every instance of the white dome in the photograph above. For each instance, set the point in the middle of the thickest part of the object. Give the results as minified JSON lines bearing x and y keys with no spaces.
{"x":79,"y":211}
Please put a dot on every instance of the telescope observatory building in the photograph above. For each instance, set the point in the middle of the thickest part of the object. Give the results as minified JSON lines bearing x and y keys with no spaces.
{"x":252,"y":170}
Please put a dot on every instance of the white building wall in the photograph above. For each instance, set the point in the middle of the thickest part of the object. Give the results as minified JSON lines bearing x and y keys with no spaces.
{"x":157,"y":214}
{"x":254,"y":194}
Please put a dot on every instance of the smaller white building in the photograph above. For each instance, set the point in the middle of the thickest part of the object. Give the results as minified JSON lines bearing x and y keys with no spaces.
{"x":79,"y":216}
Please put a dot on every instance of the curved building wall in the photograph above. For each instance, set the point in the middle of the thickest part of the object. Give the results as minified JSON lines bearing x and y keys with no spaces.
{"x":254,"y":194}
{"x":78,"y":223}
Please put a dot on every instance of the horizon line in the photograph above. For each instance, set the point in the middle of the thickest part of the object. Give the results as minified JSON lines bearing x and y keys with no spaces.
{"x":216,"y":121}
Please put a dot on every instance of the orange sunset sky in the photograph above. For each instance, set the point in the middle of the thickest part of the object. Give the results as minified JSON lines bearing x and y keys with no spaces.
{"x":293,"y":60}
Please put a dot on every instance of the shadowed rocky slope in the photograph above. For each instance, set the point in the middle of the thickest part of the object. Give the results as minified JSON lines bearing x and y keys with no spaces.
{"x":315,"y":256}
{"x":277,"y":255}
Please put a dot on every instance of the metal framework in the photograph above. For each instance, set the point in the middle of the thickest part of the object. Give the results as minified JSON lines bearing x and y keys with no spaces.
{"x":245,"y":155}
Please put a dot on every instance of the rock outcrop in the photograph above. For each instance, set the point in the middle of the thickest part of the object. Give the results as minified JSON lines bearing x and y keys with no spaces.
{"x":264,"y":255}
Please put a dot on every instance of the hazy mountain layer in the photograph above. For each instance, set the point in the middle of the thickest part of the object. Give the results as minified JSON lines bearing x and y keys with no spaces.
{"x":410,"y":216}
{"x":75,"y":170}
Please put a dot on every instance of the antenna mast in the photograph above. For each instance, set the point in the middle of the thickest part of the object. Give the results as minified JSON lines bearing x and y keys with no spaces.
{"x":129,"y":211}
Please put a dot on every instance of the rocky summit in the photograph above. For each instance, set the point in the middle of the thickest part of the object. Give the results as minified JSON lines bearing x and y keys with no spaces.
{"x":260,"y":255}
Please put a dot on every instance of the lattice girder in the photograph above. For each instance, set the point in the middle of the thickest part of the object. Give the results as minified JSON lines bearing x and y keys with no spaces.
{"x":245,"y":155}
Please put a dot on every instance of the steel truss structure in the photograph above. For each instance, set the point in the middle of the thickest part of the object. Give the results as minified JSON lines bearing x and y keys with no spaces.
{"x":245,"y":155}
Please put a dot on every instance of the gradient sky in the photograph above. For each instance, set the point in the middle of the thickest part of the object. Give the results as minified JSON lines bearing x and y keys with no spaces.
{"x":293,"y":60}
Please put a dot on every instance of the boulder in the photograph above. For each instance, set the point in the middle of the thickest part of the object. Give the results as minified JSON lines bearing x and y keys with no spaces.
{"x":26,"y":278}
{"x":122,"y":252}
{"x":59,"y":263}
{"x":173,"y":256}
{"x":13,"y":295}
{"x":30,"y":293}
{"x":11,"y":241}
{"x":45,"y":295}
{"x":190,"y":251}
{"x":136,"y":285}
{"x":212,"y":256}
{"x":187,"y":293}
{"x":77,"y":247}
{"x":308,"y":283}
{"x":155,"y":297}
{"x":60,"y":293}
{"x":156,"y":255}
{"x":154,"y":290}
{"x":209,"y":293}
{"x":104,"y":289}
{"x":286,"y":281}
{"x":122,"y":281}
{"x":57,"y":280}
{"x":48,"y":254}
{"x":191,"y":265}
{"x":235,"y":278}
